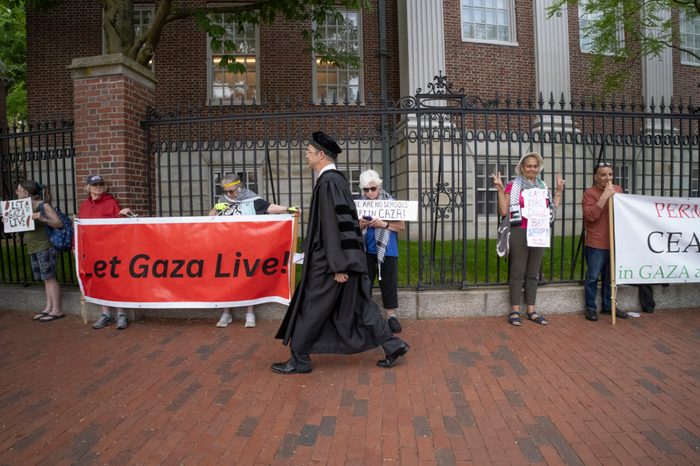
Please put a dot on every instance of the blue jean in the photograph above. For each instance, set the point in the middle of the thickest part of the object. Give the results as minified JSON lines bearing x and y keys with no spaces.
{"x":598,"y":261}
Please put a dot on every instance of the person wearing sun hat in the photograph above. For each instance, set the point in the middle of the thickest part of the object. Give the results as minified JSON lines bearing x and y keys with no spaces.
{"x":332,"y":310}
{"x":101,"y":204}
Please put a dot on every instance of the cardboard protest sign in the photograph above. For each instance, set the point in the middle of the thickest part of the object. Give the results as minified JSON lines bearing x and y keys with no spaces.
{"x":536,"y":211}
{"x":185,"y":261}
{"x":388,"y":210}
{"x":17,"y":215}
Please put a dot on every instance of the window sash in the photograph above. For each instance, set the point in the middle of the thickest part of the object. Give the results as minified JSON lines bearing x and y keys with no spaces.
{"x":332,"y":83}
{"x":226,"y":86}
{"x":488,"y":21}
{"x":584,"y":23}
{"x":690,"y":39}
{"x":485,"y":194}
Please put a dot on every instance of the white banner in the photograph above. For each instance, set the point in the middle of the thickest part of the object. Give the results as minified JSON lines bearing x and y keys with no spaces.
{"x":657,"y":239}
{"x":388,"y":210}
{"x":17,"y":215}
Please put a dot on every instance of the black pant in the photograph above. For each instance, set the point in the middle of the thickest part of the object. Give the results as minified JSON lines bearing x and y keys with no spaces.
{"x":389,"y":280}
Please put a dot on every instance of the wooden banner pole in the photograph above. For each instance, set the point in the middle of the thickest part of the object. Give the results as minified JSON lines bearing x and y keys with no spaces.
{"x":292,"y":264}
{"x":613,"y":286}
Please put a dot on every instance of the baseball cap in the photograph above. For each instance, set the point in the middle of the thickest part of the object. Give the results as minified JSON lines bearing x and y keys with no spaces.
{"x":93,"y":179}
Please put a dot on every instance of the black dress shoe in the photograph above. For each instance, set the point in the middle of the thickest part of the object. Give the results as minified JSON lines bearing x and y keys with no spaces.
{"x":618,"y":313}
{"x":391,"y":359}
{"x":394,"y":324}
{"x":287,"y":368}
{"x":591,"y":315}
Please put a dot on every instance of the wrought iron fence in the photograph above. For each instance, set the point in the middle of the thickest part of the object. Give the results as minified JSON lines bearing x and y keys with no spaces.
{"x":437,"y":147}
{"x":44,"y":153}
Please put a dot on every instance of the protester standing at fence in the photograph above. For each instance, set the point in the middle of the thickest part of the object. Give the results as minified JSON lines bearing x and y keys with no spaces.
{"x":524,"y":261}
{"x":42,"y":254}
{"x":382,"y":247}
{"x":332,"y":309}
{"x":237,"y":199}
{"x":596,"y":224}
{"x":101,"y":204}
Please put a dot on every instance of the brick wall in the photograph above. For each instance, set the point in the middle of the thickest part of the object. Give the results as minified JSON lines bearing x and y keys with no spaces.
{"x":180,"y":63}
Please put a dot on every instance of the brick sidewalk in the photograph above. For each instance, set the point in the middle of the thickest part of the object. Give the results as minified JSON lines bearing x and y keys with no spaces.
{"x":471,"y":391}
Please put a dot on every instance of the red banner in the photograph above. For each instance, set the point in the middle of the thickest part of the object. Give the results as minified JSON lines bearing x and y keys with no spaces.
{"x":185,"y":261}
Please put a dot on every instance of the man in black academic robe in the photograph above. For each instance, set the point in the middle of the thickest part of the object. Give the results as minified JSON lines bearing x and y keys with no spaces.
{"x":332,"y":309}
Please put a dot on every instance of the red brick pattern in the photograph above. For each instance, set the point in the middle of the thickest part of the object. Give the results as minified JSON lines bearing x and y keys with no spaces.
{"x":470,"y":392}
{"x":108,"y":137}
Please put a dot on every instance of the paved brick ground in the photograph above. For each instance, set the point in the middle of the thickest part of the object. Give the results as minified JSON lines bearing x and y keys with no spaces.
{"x":471,"y":391}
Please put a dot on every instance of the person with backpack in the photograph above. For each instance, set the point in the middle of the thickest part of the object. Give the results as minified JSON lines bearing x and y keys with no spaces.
{"x":101,"y":204}
{"x":42,"y":253}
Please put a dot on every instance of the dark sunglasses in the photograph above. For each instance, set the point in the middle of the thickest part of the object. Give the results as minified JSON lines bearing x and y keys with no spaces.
{"x":231,"y":191}
{"x":373,"y":189}
{"x":97,"y":184}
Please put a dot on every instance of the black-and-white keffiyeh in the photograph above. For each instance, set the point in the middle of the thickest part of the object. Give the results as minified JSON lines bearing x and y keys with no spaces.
{"x":381,"y":235}
{"x":245,"y":197}
{"x":519,"y":184}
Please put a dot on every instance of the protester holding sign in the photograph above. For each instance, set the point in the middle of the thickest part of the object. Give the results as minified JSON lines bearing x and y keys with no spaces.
{"x":41,"y":252}
{"x":531,"y":209}
{"x":332,"y":309}
{"x":101,"y":204}
{"x":382,"y":247}
{"x":237,"y":199}
{"x":596,"y":224}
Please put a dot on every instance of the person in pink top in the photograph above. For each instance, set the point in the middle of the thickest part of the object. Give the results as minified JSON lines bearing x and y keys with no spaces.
{"x":101,"y":204}
{"x":596,"y":223}
{"x":524,"y":260}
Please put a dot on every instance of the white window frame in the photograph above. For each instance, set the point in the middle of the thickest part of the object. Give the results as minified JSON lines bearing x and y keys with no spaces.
{"x":483,"y":184}
{"x":684,"y":25}
{"x":585,"y":42}
{"x":340,"y":99}
{"x":233,"y":99}
{"x":481,"y":7}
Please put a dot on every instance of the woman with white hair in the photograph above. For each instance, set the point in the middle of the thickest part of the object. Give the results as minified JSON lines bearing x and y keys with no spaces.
{"x":525,"y":261}
{"x":382,"y":247}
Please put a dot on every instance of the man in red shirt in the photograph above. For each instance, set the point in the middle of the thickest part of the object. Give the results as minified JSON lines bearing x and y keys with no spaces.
{"x":596,"y":221}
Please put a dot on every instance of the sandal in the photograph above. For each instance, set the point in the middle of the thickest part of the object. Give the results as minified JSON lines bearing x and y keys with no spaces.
{"x":535,"y":317}
{"x":514,"y":319}
{"x":40,"y":315}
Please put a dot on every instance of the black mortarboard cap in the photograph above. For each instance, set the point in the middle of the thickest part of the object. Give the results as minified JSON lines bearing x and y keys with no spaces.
{"x":323,"y":142}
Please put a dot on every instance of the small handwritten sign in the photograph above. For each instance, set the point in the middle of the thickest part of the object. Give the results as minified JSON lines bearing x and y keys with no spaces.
{"x":388,"y":210}
{"x":537,"y":214}
{"x":17,"y":215}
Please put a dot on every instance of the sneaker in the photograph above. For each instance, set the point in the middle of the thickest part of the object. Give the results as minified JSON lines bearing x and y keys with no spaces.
{"x":103,"y":321}
{"x":249,"y":320}
{"x":224,"y":321}
{"x":394,"y":324}
{"x":122,"y":322}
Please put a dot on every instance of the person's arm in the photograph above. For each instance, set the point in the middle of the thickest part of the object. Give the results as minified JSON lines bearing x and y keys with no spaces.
{"x":590,"y":207}
{"x":395,"y":225}
{"x":50,"y":218}
{"x":559,"y":190}
{"x":280,"y":209}
{"x":501,"y":193}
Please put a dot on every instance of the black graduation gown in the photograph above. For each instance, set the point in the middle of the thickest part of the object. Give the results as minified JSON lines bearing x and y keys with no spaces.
{"x":325,"y":316}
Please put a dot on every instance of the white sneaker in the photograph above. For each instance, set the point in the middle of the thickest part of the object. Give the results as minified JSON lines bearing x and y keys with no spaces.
{"x":249,"y":320}
{"x":224,"y":321}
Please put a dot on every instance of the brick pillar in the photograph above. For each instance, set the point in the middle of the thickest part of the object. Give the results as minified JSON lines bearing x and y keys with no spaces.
{"x":110,"y":96}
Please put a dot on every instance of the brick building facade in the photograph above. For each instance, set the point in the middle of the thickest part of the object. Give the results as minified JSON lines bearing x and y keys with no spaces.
{"x":424,"y":38}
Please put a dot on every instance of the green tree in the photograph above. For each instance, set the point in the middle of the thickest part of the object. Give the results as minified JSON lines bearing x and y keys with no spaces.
{"x":120,"y":36}
{"x":13,"y":53}
{"x":647,"y":26}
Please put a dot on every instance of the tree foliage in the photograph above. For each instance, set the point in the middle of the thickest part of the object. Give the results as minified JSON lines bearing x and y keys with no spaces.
{"x":647,"y":26}
{"x":13,"y":54}
{"x":120,"y":36}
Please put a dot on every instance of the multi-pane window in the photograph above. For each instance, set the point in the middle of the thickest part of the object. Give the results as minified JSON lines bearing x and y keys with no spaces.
{"x":694,"y":181}
{"x":240,"y":44}
{"x":485,"y":195}
{"x":690,"y":39}
{"x":337,"y":83}
{"x":488,"y":20}
{"x":622,"y":176}
{"x":586,"y":20}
